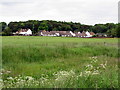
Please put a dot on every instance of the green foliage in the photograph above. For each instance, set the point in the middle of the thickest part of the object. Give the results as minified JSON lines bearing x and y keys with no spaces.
{"x":99,"y":28}
{"x":112,"y":32}
{"x":43,"y":26}
{"x":14,"y":26}
{"x":3,"y":25}
{"x":118,"y":30}
{"x":94,"y":36}
{"x":7,"y":31}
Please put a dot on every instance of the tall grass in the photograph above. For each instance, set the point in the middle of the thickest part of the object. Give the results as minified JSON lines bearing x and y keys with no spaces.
{"x":35,"y":56}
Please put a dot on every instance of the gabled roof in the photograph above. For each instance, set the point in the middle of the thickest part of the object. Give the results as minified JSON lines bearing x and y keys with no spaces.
{"x":22,"y":30}
{"x":54,"y":32}
{"x":84,"y":34}
{"x":92,"y":33}
{"x":78,"y":34}
{"x":42,"y":31}
{"x":46,"y":32}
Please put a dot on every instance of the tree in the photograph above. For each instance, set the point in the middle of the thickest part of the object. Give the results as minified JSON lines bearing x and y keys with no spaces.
{"x":7,"y":31}
{"x":43,"y":26}
{"x":118,"y":30}
{"x":55,"y":29}
{"x":22,"y":25}
{"x":100,"y":28}
{"x":14,"y":26}
{"x":110,"y":25}
{"x":3,"y":25}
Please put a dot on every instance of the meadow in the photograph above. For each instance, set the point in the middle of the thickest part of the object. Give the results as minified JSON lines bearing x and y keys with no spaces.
{"x":59,"y":62}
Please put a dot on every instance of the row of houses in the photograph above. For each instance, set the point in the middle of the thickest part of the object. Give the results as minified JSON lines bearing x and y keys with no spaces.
{"x":28,"y":32}
{"x":66,"y":33}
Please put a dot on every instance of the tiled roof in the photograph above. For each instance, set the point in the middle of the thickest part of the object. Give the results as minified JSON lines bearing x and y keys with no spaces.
{"x":92,"y":33}
{"x":83,"y":34}
{"x":22,"y":30}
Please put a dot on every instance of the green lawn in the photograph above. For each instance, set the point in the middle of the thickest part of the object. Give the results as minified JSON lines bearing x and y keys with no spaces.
{"x":64,"y":62}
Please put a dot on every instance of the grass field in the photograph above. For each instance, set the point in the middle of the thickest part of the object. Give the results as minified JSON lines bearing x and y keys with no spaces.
{"x":59,"y":62}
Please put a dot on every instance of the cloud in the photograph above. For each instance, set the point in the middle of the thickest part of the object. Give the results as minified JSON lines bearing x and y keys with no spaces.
{"x":83,"y":11}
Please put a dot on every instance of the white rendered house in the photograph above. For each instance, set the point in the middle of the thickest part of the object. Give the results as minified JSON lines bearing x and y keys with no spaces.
{"x":88,"y":34}
{"x":25,"y":32}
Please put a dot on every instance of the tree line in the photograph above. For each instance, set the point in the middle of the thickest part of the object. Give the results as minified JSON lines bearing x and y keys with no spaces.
{"x":110,"y":29}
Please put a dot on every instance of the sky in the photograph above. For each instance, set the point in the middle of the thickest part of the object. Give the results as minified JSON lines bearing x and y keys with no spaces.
{"x":83,"y":11}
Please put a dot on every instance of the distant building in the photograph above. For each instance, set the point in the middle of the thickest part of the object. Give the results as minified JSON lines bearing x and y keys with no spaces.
{"x":92,"y":33}
{"x":101,"y":35}
{"x":88,"y":34}
{"x":25,"y":32}
{"x":83,"y":34}
{"x":78,"y":34}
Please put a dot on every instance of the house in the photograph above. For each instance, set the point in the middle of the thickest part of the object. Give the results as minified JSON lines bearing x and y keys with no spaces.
{"x":83,"y":34}
{"x":92,"y":33}
{"x":55,"y":33}
{"x":26,"y":32}
{"x":78,"y":34}
{"x":47,"y":33}
{"x":42,"y":33}
{"x":88,"y":34}
{"x":62,"y":33}
{"x":66,"y":33}
{"x":72,"y":33}
{"x":101,"y":35}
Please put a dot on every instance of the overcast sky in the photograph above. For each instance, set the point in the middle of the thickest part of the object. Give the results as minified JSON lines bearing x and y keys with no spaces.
{"x":84,"y":11}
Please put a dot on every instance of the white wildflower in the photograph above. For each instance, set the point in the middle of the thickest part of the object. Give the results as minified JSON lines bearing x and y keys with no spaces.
{"x":106,"y":63}
{"x":98,"y":67}
{"x":1,"y":80}
{"x":29,"y":78}
{"x":89,"y":66}
{"x":95,"y":57}
{"x":95,"y":72}
{"x":10,"y":78}
{"x":87,"y":73}
{"x":8,"y":71}
{"x":103,"y":66}
{"x":81,"y":74}
{"x":63,"y":75}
